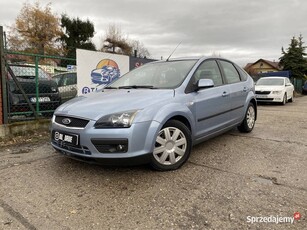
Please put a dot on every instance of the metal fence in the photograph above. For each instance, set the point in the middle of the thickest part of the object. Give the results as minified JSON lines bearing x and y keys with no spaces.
{"x":298,"y":84}
{"x":35,"y":85}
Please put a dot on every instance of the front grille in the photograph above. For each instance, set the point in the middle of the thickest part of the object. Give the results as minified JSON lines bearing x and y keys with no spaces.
{"x":263,"y":92}
{"x":74,"y":122}
{"x":264,"y":99}
{"x":77,"y":149}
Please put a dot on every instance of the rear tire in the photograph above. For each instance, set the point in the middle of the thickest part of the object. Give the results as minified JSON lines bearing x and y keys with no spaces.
{"x":248,"y":123}
{"x":172,"y":147}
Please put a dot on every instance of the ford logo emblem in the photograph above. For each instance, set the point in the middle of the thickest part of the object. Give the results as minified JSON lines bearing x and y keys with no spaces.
{"x":66,"y":121}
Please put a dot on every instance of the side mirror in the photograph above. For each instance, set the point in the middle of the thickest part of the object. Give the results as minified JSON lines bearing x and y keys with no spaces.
{"x":204,"y":84}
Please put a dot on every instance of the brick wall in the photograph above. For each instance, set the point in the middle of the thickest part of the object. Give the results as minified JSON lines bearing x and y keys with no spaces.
{"x":1,"y":105}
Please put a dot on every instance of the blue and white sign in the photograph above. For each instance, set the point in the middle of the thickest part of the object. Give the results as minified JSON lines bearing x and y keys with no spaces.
{"x":97,"y":69}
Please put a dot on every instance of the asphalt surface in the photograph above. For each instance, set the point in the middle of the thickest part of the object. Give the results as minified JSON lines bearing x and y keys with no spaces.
{"x":228,"y":182}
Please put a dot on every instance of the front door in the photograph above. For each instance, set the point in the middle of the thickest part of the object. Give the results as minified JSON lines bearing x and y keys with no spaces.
{"x":212,"y":105}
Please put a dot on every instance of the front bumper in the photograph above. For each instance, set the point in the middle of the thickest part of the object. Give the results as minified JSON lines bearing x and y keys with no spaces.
{"x":112,"y":146}
{"x":270,"y":97}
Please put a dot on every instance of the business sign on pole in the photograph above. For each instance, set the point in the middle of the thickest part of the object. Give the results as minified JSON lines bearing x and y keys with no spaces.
{"x":97,"y":69}
{"x":136,"y":62}
{"x":72,"y":68}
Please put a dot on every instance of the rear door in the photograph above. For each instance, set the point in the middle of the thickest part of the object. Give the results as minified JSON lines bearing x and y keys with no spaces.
{"x":238,"y":89}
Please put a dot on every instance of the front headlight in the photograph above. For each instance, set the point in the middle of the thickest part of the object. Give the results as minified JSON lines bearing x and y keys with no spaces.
{"x":53,"y":118}
{"x":116,"y":120}
{"x":276,"y":92}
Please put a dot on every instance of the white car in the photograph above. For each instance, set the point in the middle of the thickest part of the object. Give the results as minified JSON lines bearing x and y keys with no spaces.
{"x":67,"y":84}
{"x":274,"y":89}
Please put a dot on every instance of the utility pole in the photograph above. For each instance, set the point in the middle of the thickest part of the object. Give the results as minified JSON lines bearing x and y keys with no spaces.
{"x":3,"y":90}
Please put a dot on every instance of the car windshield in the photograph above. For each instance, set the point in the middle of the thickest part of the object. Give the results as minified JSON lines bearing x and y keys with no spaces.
{"x":270,"y":81}
{"x":168,"y":75}
{"x":28,"y":72}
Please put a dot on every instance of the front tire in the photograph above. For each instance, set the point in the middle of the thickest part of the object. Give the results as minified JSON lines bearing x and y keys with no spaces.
{"x":172,"y":147}
{"x":291,"y":99}
{"x":284,"y":100}
{"x":248,"y":123}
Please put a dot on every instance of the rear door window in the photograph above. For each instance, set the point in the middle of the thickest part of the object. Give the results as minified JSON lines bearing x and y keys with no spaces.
{"x":230,"y":72}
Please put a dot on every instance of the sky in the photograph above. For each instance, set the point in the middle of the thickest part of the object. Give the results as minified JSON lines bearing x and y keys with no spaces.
{"x":240,"y":30}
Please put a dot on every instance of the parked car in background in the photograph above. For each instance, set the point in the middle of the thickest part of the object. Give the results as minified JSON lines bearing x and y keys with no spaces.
{"x":44,"y":90}
{"x":67,"y":83}
{"x":304,"y":88}
{"x":156,"y":113}
{"x":274,"y":89}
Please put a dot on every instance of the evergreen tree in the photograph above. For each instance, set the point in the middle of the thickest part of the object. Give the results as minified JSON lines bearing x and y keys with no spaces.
{"x":77,"y":34}
{"x":293,"y":59}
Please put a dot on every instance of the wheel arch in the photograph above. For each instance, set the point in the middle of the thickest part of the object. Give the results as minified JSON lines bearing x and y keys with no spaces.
{"x":182,"y":119}
{"x":175,"y":112}
{"x":254,"y":102}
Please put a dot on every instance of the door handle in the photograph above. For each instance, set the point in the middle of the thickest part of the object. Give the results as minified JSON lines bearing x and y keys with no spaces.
{"x":225,"y":94}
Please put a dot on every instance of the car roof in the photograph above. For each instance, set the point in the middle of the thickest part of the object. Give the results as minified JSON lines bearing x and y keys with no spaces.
{"x":23,"y":65}
{"x":198,"y":58}
{"x":58,"y":74}
{"x":274,"y":77}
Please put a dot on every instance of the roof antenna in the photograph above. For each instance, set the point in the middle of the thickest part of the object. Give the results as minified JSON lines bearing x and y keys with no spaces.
{"x":173,"y":51}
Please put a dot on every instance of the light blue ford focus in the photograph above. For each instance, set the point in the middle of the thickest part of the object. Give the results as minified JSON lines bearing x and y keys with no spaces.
{"x":156,"y":113}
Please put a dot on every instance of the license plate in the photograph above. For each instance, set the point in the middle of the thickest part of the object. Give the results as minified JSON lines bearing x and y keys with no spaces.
{"x":40,"y":99}
{"x":60,"y":137}
{"x":261,"y":96}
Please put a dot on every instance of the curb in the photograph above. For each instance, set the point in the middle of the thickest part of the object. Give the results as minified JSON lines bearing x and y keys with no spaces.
{"x":21,"y":128}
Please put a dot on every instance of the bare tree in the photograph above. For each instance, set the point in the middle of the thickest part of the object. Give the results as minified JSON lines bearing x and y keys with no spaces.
{"x":115,"y":42}
{"x":140,"y":49}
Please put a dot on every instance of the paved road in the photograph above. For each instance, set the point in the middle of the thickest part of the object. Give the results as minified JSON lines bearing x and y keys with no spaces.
{"x":227,"y":182}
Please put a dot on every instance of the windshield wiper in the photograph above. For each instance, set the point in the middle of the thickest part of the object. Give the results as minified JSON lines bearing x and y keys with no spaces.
{"x":26,"y":77}
{"x":110,"y":87}
{"x":137,"y":87}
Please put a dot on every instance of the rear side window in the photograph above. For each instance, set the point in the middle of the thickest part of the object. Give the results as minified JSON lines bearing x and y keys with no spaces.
{"x":231,"y":73}
{"x":243,"y":74}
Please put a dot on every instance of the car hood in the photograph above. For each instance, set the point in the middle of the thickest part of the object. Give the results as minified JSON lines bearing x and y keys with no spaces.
{"x":95,"y":105}
{"x":269,"y":87}
{"x":29,"y":86}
